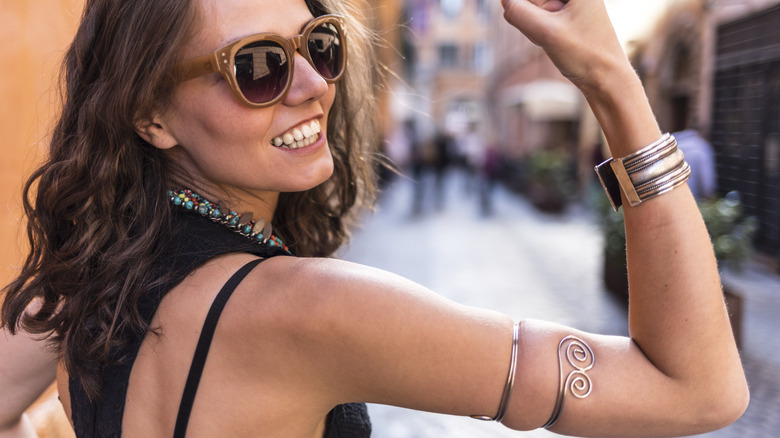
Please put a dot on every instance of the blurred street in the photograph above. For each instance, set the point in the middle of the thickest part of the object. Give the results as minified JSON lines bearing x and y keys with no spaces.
{"x":532,"y":265}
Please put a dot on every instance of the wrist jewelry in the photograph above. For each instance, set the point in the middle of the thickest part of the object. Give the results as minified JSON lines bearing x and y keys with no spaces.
{"x":645,"y":174}
{"x":580,"y":356}
{"x":510,"y":380}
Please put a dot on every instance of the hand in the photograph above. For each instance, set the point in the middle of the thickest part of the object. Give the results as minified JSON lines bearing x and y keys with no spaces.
{"x":576,"y":34}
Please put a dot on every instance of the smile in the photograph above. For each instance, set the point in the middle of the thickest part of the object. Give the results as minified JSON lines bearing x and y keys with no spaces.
{"x":299,"y":137}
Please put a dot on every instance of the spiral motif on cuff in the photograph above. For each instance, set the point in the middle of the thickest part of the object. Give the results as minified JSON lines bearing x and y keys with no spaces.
{"x":580,"y":356}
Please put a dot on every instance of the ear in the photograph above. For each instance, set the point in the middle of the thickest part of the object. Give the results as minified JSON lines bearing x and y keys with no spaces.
{"x":155,"y":132}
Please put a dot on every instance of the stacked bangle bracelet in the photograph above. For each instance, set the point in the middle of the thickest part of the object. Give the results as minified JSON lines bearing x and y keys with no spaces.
{"x":510,"y":380}
{"x":645,"y":174}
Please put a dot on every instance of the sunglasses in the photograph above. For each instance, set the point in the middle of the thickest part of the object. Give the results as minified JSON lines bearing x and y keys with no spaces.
{"x":259,"y":68}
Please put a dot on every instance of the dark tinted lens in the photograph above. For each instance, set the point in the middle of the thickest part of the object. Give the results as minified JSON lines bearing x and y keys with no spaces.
{"x":327,"y":50}
{"x":261,"y":71}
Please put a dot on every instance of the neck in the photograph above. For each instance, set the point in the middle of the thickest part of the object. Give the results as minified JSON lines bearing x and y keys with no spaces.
{"x":262,"y":204}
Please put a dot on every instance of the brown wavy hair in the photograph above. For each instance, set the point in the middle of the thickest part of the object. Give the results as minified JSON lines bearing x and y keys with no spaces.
{"x":97,"y":211}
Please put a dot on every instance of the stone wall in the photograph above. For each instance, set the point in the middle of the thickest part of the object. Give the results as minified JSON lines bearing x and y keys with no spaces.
{"x":35,"y":35}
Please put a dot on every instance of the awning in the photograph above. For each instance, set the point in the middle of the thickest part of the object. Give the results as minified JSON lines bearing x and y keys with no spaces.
{"x":545,"y":100}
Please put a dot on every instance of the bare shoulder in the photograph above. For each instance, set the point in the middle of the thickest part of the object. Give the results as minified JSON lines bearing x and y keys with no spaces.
{"x":334,"y":275}
{"x":319,"y":289}
{"x":345,"y":326}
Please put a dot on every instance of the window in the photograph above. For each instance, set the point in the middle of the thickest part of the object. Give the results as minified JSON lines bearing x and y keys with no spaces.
{"x":448,"y":55}
{"x":483,"y":58}
{"x":482,"y":9}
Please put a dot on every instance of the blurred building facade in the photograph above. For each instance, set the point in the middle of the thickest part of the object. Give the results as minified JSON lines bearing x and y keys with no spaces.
{"x":383,"y":17}
{"x":475,"y":79}
{"x":546,"y":134}
{"x":714,"y":66}
{"x":532,"y":105}
{"x":448,"y":57}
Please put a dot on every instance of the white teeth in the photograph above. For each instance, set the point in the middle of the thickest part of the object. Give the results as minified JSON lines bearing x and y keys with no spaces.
{"x":299,"y":137}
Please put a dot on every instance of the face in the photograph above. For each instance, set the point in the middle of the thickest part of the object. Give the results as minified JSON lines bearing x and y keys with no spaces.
{"x":226,"y":146}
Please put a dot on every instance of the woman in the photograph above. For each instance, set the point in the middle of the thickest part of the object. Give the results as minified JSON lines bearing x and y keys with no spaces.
{"x":171,"y":104}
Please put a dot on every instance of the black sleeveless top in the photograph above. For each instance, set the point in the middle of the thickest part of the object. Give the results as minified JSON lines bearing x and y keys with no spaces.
{"x":196,"y":240}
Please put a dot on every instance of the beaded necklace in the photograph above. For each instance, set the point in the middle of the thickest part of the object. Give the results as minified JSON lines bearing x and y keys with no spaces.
{"x":259,"y":231}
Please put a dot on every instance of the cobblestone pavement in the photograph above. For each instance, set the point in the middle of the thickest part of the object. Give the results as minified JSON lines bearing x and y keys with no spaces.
{"x":532,"y":265}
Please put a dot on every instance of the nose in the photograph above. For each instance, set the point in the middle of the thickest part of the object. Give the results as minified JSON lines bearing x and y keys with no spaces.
{"x":307,"y":84}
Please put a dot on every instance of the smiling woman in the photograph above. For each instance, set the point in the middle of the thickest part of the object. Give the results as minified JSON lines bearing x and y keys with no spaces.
{"x":177,"y":309}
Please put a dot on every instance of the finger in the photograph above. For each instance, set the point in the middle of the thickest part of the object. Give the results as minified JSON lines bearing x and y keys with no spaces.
{"x":524,"y":15}
{"x":532,"y":17}
{"x":554,"y":5}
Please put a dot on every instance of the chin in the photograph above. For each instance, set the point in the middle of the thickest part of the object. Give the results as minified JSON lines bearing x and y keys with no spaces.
{"x":309,"y":180}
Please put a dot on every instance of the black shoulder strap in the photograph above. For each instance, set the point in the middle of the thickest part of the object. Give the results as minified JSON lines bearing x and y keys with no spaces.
{"x":204,"y":343}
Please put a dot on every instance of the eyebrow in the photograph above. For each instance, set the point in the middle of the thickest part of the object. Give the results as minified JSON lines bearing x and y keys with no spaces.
{"x":236,"y":38}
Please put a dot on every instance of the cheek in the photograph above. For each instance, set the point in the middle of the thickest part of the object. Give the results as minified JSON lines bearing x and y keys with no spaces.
{"x":221,"y":140}
{"x":213,"y":117}
{"x":227,"y":143}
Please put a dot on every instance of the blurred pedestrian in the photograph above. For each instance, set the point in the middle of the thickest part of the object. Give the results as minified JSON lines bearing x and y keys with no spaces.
{"x":441,"y":162}
{"x":700,"y":156}
{"x":490,"y":174}
{"x":417,"y":164}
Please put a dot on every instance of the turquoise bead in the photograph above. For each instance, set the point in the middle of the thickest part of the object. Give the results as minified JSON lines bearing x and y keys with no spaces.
{"x":189,"y":205}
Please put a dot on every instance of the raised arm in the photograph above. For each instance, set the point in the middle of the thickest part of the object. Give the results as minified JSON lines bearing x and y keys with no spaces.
{"x":679,"y":327}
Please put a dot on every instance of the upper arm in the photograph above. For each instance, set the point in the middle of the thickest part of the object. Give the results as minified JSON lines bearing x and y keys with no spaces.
{"x":629,"y":395}
{"x":350,"y":333}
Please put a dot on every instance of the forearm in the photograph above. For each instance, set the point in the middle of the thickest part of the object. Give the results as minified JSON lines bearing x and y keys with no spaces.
{"x":20,"y":428}
{"x":676,"y":310}
{"x":680,"y":372}
{"x":27,"y":368}
{"x":620,"y":104}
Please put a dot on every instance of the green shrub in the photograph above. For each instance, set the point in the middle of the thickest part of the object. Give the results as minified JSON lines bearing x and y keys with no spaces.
{"x":731,"y":232}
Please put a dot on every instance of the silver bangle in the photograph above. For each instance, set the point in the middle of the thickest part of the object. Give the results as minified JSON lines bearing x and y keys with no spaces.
{"x":652,"y":171}
{"x":510,"y":380}
{"x":580,"y":356}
